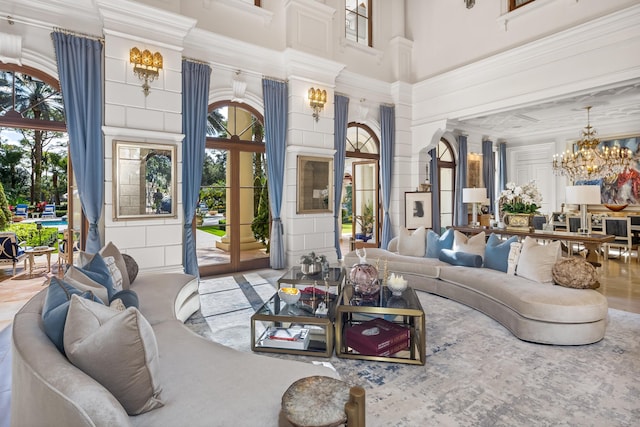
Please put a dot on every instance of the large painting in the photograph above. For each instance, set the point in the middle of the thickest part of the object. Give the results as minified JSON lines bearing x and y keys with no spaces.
{"x":625,"y":187}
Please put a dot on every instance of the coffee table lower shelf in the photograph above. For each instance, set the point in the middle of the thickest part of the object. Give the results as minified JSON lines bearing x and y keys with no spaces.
{"x":410,"y":316}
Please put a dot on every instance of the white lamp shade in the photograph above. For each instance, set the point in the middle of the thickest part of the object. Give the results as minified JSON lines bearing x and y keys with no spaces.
{"x":474,"y":195}
{"x":583,"y":194}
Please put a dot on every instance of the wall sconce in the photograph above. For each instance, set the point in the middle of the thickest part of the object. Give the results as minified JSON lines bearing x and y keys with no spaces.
{"x":146,"y":66}
{"x":317,"y":99}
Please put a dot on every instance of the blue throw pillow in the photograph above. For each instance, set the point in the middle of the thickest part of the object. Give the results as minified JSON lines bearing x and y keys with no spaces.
{"x":435,"y":243}
{"x":460,"y":258}
{"x":496,"y":253}
{"x":56,"y":305}
{"x":98,"y":271}
{"x":128,"y":297}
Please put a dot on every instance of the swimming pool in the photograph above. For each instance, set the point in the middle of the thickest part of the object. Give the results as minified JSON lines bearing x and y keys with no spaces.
{"x":49,"y":222}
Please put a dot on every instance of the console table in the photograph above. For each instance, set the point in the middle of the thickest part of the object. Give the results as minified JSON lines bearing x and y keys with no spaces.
{"x":592,"y":242}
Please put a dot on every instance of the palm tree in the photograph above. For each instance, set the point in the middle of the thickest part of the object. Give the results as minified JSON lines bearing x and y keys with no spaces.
{"x":37,"y":100}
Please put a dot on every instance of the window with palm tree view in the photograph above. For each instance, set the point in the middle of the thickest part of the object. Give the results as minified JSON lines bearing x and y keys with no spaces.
{"x":35,"y":175}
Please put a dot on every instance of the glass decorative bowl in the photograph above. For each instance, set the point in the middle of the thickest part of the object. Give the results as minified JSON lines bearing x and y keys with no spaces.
{"x":364,"y":278}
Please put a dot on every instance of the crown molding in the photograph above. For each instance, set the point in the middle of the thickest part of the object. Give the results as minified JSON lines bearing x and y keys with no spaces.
{"x":145,"y":22}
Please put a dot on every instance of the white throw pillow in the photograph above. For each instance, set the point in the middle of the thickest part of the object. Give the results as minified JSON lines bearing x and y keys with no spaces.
{"x":412,"y":244}
{"x":471,"y":245}
{"x":114,"y":271}
{"x":536,"y":261}
{"x":514,"y":255}
{"x":116,"y":348}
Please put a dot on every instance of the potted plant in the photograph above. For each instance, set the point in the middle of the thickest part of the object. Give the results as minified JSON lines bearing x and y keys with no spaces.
{"x":312,"y":264}
{"x":519,"y":204}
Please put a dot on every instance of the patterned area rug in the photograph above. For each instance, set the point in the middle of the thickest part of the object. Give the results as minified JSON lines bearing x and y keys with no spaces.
{"x":477,"y":373}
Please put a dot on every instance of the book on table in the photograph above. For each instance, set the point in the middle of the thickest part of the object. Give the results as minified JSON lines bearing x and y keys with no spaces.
{"x":289,"y":338}
{"x":378,"y":337}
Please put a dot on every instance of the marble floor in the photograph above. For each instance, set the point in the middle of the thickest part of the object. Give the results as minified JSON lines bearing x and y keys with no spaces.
{"x":620,"y":283}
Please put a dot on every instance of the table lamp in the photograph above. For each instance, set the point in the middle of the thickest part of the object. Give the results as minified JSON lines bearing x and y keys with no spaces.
{"x":474,"y":196}
{"x":583,"y":195}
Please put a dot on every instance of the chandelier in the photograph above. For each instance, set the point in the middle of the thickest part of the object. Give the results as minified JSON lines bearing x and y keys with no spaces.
{"x":589,"y":162}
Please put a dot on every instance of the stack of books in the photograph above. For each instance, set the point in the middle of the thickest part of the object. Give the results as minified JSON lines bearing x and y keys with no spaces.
{"x":378,"y":337}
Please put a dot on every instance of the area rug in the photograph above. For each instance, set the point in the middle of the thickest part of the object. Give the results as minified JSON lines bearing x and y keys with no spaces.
{"x":477,"y":373}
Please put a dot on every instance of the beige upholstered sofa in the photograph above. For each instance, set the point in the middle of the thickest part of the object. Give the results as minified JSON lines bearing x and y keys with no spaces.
{"x":536,"y":312}
{"x":203,"y":383}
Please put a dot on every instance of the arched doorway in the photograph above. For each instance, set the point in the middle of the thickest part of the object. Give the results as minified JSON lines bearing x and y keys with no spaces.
{"x":232,"y":219}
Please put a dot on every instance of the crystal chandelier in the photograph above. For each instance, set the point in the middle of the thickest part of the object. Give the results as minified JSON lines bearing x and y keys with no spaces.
{"x":589,"y":162}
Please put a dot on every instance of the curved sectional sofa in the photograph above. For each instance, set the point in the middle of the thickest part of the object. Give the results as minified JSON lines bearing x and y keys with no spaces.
{"x":203,"y":383}
{"x":535,"y":312}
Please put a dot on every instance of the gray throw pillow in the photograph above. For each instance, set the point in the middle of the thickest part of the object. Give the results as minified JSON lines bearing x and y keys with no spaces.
{"x":116,"y":348}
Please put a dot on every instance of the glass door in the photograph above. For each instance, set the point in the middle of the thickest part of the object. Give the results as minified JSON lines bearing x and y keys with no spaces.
{"x":365,"y":205}
{"x":232,"y":217}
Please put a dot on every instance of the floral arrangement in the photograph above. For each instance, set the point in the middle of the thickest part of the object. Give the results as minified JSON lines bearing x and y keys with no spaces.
{"x":521,"y":199}
{"x":312,"y":258}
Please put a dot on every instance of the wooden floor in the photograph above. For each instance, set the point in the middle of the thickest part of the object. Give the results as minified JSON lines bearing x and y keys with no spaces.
{"x":620,"y":283}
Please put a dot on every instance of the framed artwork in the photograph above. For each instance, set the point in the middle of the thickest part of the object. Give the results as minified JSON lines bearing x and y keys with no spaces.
{"x":144,"y":180}
{"x":417,"y":210}
{"x":315,"y":184}
{"x":625,"y":188}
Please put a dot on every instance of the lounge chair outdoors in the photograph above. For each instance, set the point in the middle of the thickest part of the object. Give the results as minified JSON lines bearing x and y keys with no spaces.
{"x":49,"y":211}
{"x":22,"y":210}
{"x":11,"y":251}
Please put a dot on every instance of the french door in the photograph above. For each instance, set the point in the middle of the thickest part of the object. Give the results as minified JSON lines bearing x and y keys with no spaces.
{"x":232,"y":217}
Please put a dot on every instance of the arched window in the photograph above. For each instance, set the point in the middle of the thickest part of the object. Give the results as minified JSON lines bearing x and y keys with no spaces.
{"x":233,"y":217}
{"x":446,"y":180}
{"x":361,"y":198}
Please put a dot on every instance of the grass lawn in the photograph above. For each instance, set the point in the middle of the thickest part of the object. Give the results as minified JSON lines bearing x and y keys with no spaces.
{"x":212,"y":229}
{"x":346,"y":228}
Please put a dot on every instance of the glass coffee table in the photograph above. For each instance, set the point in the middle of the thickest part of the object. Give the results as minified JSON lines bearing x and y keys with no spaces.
{"x":333,"y":279}
{"x":403,"y":312}
{"x":278,"y":327}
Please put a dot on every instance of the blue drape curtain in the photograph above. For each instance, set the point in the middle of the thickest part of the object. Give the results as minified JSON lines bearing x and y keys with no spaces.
{"x":195,"y":96}
{"x":489,"y":172}
{"x":502,"y":166}
{"x":387,"y":131}
{"x":80,"y":71}
{"x":435,"y":190}
{"x":275,"y":95}
{"x":461,"y":181}
{"x":340,"y":123}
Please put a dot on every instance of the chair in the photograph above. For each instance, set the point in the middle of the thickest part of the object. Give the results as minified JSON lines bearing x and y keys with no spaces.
{"x":22,"y":210}
{"x":624,"y":240}
{"x":539,"y":221}
{"x":11,"y":251}
{"x":49,"y":211}
{"x":64,"y":255}
{"x":573,"y":224}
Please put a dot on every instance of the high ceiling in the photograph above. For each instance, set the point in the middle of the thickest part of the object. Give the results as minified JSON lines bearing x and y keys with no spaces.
{"x":615,"y":113}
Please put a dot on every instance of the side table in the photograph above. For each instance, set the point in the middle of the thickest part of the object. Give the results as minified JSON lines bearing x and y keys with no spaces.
{"x":324,"y":402}
{"x":37,"y":251}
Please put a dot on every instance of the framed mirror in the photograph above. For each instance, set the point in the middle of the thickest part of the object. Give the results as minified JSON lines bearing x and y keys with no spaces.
{"x":144,"y":180}
{"x":315,"y":184}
